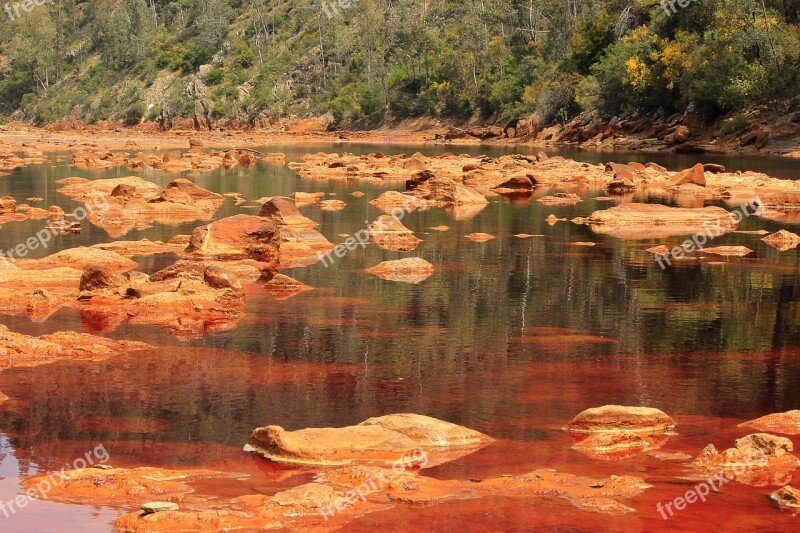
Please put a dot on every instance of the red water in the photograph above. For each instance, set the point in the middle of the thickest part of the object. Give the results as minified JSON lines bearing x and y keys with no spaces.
{"x":512,"y":338}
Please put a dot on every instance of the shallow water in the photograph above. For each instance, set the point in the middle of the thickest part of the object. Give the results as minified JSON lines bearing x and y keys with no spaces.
{"x":511,"y":337}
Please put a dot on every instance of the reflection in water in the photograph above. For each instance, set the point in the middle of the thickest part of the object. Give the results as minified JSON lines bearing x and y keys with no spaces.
{"x":512,"y":337}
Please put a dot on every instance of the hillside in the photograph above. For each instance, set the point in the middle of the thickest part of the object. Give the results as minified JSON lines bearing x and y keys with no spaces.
{"x":239,"y":63}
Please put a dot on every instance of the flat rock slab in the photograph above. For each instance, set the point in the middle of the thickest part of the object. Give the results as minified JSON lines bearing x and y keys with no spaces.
{"x":649,"y":221}
{"x":332,"y":446}
{"x":787,"y":423}
{"x":427,"y":431}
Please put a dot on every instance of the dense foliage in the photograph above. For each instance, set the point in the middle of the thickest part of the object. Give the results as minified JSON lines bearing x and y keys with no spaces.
{"x":134,"y":59}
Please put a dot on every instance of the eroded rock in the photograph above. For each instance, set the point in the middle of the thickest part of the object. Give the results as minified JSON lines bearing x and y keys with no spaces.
{"x":642,"y":221}
{"x":410,"y":270}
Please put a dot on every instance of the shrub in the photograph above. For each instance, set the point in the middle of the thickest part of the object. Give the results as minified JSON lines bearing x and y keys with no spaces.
{"x":734,"y":125}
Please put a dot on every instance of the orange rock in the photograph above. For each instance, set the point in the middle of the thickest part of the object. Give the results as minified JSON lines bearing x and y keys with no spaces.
{"x":620,"y":419}
{"x":480,"y":237}
{"x":642,"y":221}
{"x":410,"y":270}
{"x":738,"y":251}
{"x":561,"y":198}
{"x":389,"y":233}
{"x":783,"y":240}
{"x":429,"y":432}
{"x":786,"y":498}
{"x":237,"y":237}
{"x":283,"y":211}
{"x":332,"y":205}
{"x":695,"y":175}
{"x":331,"y":446}
{"x":283,"y":287}
{"x":787,"y":423}
{"x":19,"y":350}
{"x":759,"y":460}
{"x":447,"y":192}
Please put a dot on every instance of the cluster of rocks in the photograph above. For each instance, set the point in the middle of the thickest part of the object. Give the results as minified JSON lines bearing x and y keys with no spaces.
{"x":195,"y":160}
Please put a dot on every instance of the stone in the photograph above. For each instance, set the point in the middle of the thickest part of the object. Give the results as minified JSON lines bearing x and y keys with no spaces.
{"x":787,"y":423}
{"x":621,"y":419}
{"x":283,"y":211}
{"x":237,"y":237}
{"x":159,"y":507}
{"x":786,"y":498}
{"x":331,"y":446}
{"x":694,"y":175}
{"x":428,"y":431}
{"x":783,"y":240}
{"x":648,"y":221}
{"x":480,"y":237}
{"x":410,"y":270}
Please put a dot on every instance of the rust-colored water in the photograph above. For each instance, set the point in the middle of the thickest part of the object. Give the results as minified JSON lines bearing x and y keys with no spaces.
{"x":512,"y":338}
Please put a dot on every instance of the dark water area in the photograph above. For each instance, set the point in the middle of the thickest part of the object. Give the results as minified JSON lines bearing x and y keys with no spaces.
{"x":512,"y":337}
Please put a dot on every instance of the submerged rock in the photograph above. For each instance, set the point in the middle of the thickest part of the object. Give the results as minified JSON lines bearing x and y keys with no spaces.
{"x":428,"y":431}
{"x":787,"y":423}
{"x":786,"y":498}
{"x":446,"y":192}
{"x":480,"y":237}
{"x":389,"y":233}
{"x":20,"y":350}
{"x":736,"y":251}
{"x":409,"y":270}
{"x":647,"y":221}
{"x":759,"y":459}
{"x":187,"y":298}
{"x":283,"y":287}
{"x":783,"y":240}
{"x":331,"y":446}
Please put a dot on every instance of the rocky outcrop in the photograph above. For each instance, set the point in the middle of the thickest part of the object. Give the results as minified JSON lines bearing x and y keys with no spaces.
{"x":410,"y":270}
{"x":759,"y":459}
{"x":388,"y":233}
{"x":783,"y":240}
{"x":647,"y":221}
{"x":381,"y":440}
{"x":614,"y":432}
{"x":283,"y":211}
{"x":620,"y":419}
{"x":19,"y":350}
{"x":787,"y":423}
{"x":187,"y":299}
{"x":446,"y":192}
{"x":235,"y":238}
{"x":331,"y":446}
{"x":694,"y":175}
{"x":122,"y":204}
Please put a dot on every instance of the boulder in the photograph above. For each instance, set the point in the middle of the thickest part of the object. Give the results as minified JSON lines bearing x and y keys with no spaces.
{"x":759,"y":459}
{"x":389,"y":233}
{"x":783,"y":240}
{"x":447,"y":192}
{"x":786,"y":498}
{"x":331,"y":446}
{"x":620,"y":419}
{"x":428,"y":431}
{"x":283,"y":211}
{"x":694,"y":175}
{"x":237,"y":237}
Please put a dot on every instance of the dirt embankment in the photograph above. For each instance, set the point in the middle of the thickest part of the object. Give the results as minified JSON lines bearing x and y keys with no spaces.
{"x":757,"y":132}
